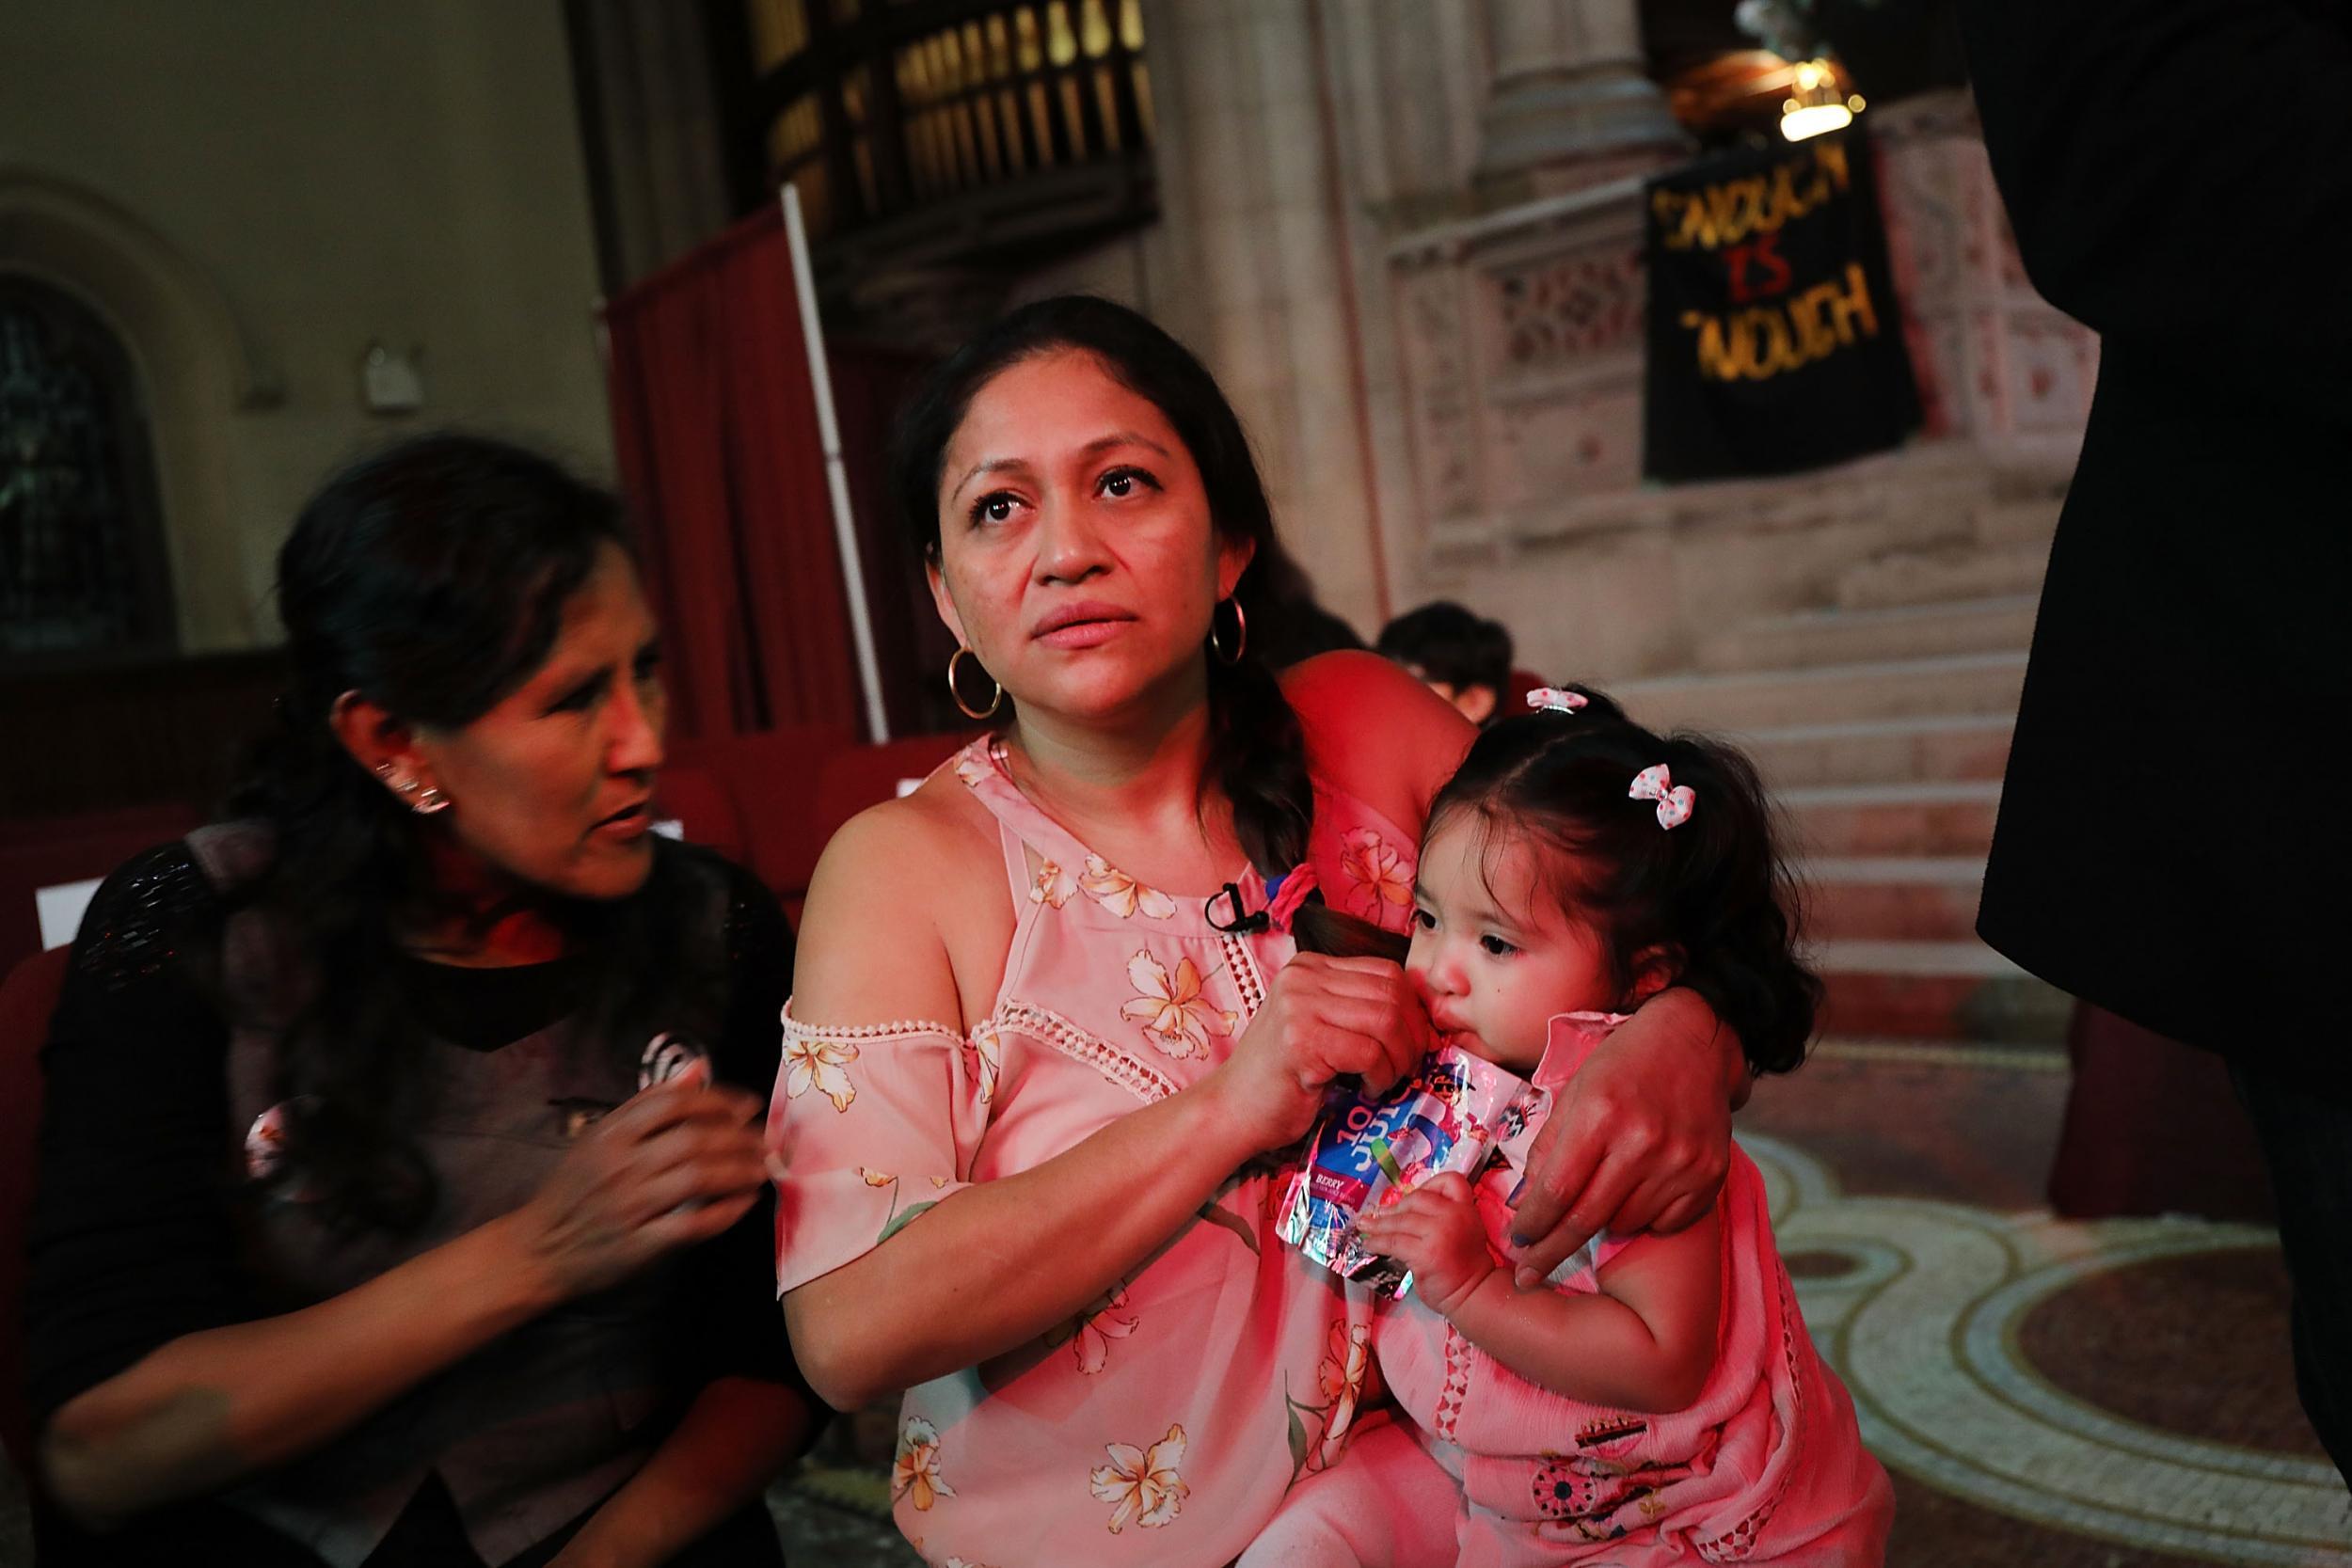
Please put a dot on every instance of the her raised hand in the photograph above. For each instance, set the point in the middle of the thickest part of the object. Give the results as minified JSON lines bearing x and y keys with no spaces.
{"x":676,"y":1164}
{"x":1323,"y":1018}
{"x":1640,"y":1139}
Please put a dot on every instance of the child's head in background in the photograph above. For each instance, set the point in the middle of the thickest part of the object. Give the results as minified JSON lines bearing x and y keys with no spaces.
{"x":1462,"y":657}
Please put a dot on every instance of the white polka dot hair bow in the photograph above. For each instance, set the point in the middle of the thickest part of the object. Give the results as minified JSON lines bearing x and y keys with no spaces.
{"x":1674,"y":801}
{"x":1555,"y":699}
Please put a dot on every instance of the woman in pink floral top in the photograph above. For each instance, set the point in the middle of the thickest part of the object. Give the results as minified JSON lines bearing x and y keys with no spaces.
{"x":1046,"y":1029}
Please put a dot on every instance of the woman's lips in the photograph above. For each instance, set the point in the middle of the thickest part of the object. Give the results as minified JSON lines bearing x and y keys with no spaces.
{"x":630,"y":822}
{"x":1084,"y":625}
{"x":1081,"y":634}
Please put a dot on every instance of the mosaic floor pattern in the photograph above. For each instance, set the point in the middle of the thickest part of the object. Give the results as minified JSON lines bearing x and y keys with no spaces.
{"x":1919,"y":1303}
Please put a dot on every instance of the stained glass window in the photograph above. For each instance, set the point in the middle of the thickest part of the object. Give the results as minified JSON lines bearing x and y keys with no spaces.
{"x":82,"y":568}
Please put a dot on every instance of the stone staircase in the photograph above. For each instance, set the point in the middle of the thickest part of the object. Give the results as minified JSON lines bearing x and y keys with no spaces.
{"x":1883,"y":724}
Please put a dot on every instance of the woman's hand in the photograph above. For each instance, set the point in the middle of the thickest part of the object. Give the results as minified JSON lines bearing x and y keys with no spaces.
{"x":1434,"y":1231}
{"x":1323,"y":1018}
{"x":676,"y":1164}
{"x":1640,"y":1138}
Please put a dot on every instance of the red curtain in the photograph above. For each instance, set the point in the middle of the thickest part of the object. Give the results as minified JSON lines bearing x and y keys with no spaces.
{"x":715,"y":425}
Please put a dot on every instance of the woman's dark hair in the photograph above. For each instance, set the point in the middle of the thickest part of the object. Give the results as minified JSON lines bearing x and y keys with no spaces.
{"x":1257,"y":754}
{"x":430,"y":577}
{"x":1711,"y":896}
{"x":1444,"y":642}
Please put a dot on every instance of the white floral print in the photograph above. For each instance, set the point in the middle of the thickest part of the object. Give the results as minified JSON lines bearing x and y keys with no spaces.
{"x":1175,"y":1016}
{"x":1053,"y":886}
{"x":1379,"y":873}
{"x":1090,"y":1333}
{"x":916,"y":1473}
{"x":1122,"y":894}
{"x":1340,"y":1380}
{"x":821,"y":1065}
{"x":1143,"y":1482}
{"x":984,"y":1059}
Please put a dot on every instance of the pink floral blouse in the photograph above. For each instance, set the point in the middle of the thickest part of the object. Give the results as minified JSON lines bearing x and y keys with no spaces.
{"x":1168,"y":1422}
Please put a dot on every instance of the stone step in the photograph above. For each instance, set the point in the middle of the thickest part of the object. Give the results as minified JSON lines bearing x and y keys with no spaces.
{"x":1980,"y":683}
{"x":1812,"y":638}
{"x":1924,"y":820}
{"x":1936,"y":991}
{"x":1891,"y":898}
{"x":2017,"y":522}
{"x":1883,"y":751}
{"x":1945,"y":573}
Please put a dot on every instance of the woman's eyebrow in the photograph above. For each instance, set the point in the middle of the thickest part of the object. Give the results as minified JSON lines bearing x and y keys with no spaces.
{"x":989,"y":465}
{"x":561,"y":675}
{"x":1101,"y":444}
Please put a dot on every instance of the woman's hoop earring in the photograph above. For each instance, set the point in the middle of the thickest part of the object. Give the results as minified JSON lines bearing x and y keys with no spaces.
{"x":953,"y":690}
{"x":1241,"y":632}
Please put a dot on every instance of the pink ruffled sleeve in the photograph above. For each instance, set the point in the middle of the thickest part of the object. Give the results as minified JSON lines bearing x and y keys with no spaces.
{"x":868,"y":1127}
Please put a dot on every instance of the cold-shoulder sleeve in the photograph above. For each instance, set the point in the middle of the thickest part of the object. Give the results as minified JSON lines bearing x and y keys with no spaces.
{"x":132,"y":1241}
{"x":868,"y":1127}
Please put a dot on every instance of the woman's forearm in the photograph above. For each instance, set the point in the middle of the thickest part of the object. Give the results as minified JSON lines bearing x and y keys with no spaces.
{"x":208,"y":1408}
{"x":1684,"y":1010}
{"x":736,"y":1436}
{"x":1002,"y":1262}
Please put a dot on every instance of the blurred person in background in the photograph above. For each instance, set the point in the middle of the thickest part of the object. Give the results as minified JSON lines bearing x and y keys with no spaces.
{"x":1462,"y":657}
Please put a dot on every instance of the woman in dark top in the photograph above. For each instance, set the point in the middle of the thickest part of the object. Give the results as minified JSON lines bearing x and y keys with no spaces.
{"x":399,"y":1196}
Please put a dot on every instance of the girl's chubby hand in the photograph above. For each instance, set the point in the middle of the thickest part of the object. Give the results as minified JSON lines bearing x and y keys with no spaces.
{"x":1434,"y":1231}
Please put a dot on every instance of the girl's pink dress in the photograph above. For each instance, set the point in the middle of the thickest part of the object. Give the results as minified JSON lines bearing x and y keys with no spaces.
{"x":1219,"y":1383}
{"x":1767,"y":1467}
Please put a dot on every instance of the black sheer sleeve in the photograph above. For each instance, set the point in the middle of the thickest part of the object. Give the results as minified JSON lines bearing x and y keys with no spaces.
{"x":132,"y":1241}
{"x":729,"y":1303}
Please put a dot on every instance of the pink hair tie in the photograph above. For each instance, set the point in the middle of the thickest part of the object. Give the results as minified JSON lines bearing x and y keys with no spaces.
{"x":1290,"y":890}
{"x":1551,"y":697}
{"x":1674,"y":801}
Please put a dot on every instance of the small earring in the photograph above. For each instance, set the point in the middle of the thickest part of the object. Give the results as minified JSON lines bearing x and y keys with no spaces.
{"x":424,"y":802}
{"x":968,"y":710}
{"x":1241,"y":632}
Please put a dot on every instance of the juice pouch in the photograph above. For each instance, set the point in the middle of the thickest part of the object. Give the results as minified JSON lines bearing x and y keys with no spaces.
{"x":1367,"y":1152}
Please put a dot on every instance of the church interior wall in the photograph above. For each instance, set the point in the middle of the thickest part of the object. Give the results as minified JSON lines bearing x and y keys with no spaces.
{"x":296,"y":182}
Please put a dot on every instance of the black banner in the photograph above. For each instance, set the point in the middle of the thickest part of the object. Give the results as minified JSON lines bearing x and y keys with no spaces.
{"x":1774,"y":340}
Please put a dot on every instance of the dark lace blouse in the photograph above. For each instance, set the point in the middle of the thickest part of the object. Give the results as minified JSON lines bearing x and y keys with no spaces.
{"x":148,"y":1225}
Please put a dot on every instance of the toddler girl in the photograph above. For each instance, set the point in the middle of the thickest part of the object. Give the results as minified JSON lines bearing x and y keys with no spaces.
{"x":1659,"y":1400}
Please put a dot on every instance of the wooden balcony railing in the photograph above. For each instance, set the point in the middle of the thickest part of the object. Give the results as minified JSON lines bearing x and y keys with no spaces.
{"x":934,"y":129}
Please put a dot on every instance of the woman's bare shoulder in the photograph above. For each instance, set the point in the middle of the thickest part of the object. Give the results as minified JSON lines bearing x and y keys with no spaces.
{"x":890,"y":905}
{"x":1376,"y":733}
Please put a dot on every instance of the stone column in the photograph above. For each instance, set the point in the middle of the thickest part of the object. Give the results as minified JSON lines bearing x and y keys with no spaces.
{"x":1570,"y":99}
{"x":1249,"y":266}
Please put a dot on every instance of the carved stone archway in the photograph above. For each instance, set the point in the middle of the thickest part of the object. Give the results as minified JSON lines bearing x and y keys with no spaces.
{"x":197,"y":368}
